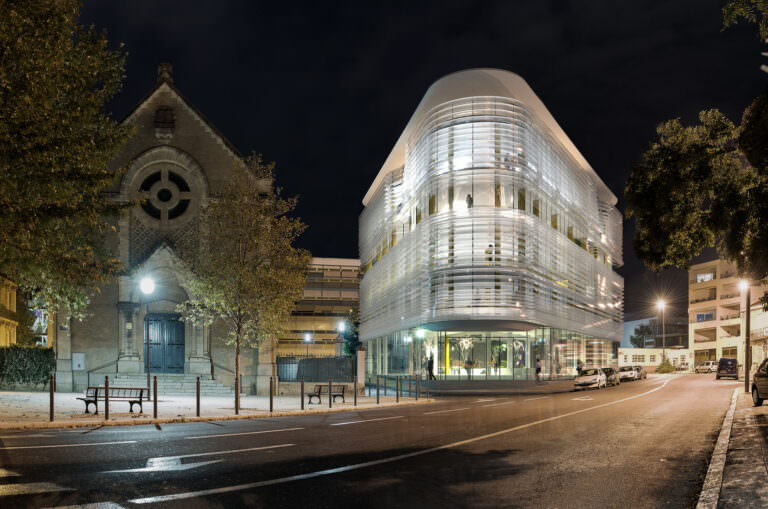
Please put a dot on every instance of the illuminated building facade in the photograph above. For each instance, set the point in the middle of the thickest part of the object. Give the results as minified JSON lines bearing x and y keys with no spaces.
{"x":488,"y":242}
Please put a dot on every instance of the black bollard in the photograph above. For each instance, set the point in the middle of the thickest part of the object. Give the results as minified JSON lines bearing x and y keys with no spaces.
{"x":355,"y":391}
{"x":106,"y":398}
{"x":377,"y":389}
{"x":51,"y":388}
{"x":418,"y":386}
{"x":198,"y":396}
{"x":301,"y":394}
{"x":237,"y":397}
{"x":330,"y":391}
{"x":271,"y":396}
{"x":397,"y":389}
{"x":154,"y":397}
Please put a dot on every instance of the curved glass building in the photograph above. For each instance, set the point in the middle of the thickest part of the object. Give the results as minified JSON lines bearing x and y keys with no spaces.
{"x":488,"y":242}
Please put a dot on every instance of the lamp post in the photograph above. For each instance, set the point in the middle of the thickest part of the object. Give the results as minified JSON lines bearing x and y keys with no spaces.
{"x":745,"y":287}
{"x":660,"y":305}
{"x":307,"y":340}
{"x":147,"y":286}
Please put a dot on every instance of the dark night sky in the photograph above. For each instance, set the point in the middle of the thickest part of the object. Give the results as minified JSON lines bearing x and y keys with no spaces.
{"x":326,"y":88}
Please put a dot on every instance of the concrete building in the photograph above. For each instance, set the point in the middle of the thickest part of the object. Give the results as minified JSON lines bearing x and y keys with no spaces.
{"x":488,"y":242}
{"x":650,"y":358}
{"x":331,"y":294}
{"x":674,"y":332}
{"x":717,"y":312}
{"x":8,"y":318}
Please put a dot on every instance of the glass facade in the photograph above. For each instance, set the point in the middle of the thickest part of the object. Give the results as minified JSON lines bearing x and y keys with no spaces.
{"x":492,"y":224}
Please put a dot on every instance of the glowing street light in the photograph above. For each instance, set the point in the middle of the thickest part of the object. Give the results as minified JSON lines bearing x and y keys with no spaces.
{"x":661,"y":305}
{"x":745,"y":287}
{"x":420,"y":333}
{"x":307,"y":340}
{"x":342,"y":326}
{"x":147,"y":285}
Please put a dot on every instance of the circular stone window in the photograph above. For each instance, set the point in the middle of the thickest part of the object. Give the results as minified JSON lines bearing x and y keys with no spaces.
{"x":166,"y":195}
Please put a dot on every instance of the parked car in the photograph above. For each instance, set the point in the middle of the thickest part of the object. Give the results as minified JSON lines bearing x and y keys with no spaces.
{"x":683,"y":366}
{"x":627,"y":373}
{"x":706,"y":367}
{"x":611,"y":376}
{"x":727,"y":367}
{"x":590,"y":377}
{"x":640,"y":373}
{"x":760,"y":384}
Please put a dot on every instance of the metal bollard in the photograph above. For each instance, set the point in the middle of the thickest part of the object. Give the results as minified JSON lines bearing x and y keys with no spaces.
{"x":369,"y":387}
{"x":418,"y":387}
{"x":377,"y":389}
{"x":330,"y":390}
{"x":397,"y":389}
{"x":410,"y":379}
{"x":237,"y":397}
{"x":198,"y":396}
{"x":51,"y":389}
{"x":106,"y":398}
{"x":301,"y":394}
{"x":355,"y":391}
{"x":154,"y":397}
{"x":271,"y":396}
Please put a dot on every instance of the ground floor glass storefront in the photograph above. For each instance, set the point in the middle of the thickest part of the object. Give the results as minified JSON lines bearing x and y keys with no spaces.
{"x":487,"y":355}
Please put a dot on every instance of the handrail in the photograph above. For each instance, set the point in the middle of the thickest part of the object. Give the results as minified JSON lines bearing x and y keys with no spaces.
{"x":223,"y":367}
{"x":88,"y":373}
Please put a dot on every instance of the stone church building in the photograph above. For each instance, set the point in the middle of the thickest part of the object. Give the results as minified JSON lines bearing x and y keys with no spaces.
{"x":175,"y":161}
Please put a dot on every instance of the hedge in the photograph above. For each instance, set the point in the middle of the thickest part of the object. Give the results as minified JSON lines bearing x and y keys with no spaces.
{"x":22,"y":365}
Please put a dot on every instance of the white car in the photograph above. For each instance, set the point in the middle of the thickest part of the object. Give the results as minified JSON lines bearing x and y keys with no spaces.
{"x":628,"y":373}
{"x":706,"y":367}
{"x":590,"y":377}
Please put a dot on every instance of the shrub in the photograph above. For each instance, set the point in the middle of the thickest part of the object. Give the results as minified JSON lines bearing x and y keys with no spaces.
{"x":21,"y":365}
{"x":665,"y":367}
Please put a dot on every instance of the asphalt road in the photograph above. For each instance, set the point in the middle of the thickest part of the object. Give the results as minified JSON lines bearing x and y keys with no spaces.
{"x":643,"y":444}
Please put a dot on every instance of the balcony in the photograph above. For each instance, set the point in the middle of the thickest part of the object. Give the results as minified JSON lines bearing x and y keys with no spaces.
{"x":703,"y":299}
{"x":730,"y":316}
{"x":727,"y":275}
{"x":729,"y":295}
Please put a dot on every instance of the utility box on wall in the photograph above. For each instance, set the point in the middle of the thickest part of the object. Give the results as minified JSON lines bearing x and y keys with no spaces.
{"x":78,"y":361}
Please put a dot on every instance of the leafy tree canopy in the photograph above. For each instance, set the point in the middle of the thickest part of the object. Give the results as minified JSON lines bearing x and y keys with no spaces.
{"x":55,"y":144}
{"x":753,"y":11}
{"x":246,"y":275}
{"x":641,"y":333}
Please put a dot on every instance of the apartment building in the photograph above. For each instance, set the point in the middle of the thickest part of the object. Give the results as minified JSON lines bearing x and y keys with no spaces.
{"x":716,"y":314}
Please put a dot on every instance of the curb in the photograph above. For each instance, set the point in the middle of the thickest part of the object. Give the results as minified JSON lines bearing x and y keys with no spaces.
{"x":179,"y":420}
{"x":710,"y":491}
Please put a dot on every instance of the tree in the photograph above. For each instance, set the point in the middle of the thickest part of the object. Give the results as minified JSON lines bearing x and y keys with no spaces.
{"x":55,"y":145}
{"x":753,"y":11}
{"x":25,"y":330}
{"x":350,"y":336}
{"x":642,"y":332}
{"x":246,"y":275}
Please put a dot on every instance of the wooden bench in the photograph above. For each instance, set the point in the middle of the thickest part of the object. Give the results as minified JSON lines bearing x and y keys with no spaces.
{"x":133,"y":395}
{"x":336,"y":391}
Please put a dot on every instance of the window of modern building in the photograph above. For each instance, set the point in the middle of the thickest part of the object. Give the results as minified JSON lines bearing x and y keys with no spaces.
{"x":705,"y":276}
{"x":705,"y":317}
{"x":652,"y":358}
{"x":730,"y":352}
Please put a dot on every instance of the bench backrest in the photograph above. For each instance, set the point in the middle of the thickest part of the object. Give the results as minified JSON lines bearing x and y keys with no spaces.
{"x":138,"y":393}
{"x":323,"y":389}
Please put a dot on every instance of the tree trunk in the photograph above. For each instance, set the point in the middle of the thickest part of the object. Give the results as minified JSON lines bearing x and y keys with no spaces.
{"x":237,"y":372}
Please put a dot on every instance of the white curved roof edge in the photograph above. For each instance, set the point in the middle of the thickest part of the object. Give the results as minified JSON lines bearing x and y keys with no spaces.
{"x":483,"y":82}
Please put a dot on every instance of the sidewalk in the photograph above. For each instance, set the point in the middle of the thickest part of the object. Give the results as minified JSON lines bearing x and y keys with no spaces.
{"x":30,"y":410}
{"x":745,"y":476}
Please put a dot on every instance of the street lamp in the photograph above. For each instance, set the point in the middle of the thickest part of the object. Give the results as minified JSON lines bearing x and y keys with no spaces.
{"x":342,"y":326}
{"x":660,"y":305}
{"x":307,"y":340}
{"x":744,"y":286}
{"x":147,"y":286}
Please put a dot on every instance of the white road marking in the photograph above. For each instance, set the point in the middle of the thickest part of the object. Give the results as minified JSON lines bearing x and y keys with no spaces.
{"x":166,"y":464}
{"x":243,"y":433}
{"x":7,"y":473}
{"x":367,"y":420}
{"x":22,"y":435}
{"x":97,"y":505}
{"x":231,"y":451}
{"x":540,"y":397}
{"x":499,"y":404}
{"x":710,"y":491}
{"x":30,"y":488}
{"x":484,"y":400}
{"x":65,"y":445}
{"x":446,"y":411}
{"x":357,"y":466}
{"x":583,"y":398}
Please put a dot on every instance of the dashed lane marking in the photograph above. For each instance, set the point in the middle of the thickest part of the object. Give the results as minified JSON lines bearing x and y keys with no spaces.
{"x":540,"y":397}
{"x":484,"y":400}
{"x":243,"y":433}
{"x":368,"y":420}
{"x":7,"y":473}
{"x":446,"y":411}
{"x":583,"y":398}
{"x":65,"y":445}
{"x":96,"y":505}
{"x":498,"y":404}
{"x":357,"y":466}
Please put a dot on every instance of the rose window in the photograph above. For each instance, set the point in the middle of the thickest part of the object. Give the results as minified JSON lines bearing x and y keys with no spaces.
{"x":165,"y":194}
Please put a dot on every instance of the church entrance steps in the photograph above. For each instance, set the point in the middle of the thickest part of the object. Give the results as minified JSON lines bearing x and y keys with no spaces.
{"x":174,"y":384}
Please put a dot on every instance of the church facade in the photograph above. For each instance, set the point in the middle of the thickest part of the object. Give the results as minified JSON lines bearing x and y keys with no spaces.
{"x":175,"y":161}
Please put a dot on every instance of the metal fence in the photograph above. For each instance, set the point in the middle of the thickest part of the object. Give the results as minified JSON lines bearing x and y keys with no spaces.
{"x":316,"y":369}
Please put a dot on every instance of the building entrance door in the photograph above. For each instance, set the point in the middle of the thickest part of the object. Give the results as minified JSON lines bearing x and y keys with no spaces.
{"x":166,"y":342}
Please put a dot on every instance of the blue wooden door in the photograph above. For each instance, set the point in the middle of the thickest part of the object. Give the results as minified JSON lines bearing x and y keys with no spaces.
{"x":166,"y":343}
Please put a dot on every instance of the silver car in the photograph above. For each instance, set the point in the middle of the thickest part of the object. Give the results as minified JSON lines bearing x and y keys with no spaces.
{"x":627,"y":373}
